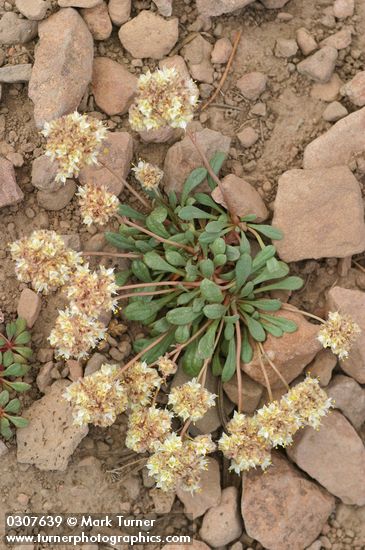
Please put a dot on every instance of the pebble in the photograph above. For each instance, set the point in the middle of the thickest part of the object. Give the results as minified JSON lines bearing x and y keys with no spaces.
{"x":217,"y":7}
{"x":198,"y":57}
{"x":222,"y":523}
{"x":343,"y":8}
{"x":248,"y":137}
{"x":164,"y":7}
{"x":274,"y":4}
{"x":29,"y":306}
{"x":322,"y":366}
{"x":57,"y":200}
{"x":34,"y":10}
{"x":119,"y":11}
{"x":252,"y":85}
{"x":98,"y":21}
{"x":149,"y":35}
{"x":44,"y":377}
{"x":340,"y":40}
{"x":75,"y":370}
{"x":354,"y":89}
{"x":177,"y":62}
{"x":10,"y":192}
{"x":79,"y":3}
{"x":305,"y":41}
{"x":334,"y":112}
{"x":14,"y":30}
{"x":113,"y":86}
{"x":11,"y":74}
{"x":243,"y":197}
{"x":329,"y":91}
{"x":94,"y":363}
{"x":285,"y":47}
{"x":319,"y":66}
{"x":221,"y":51}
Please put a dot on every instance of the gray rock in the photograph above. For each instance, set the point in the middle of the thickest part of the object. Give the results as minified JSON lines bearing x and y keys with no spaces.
{"x":94,"y":363}
{"x":217,"y":7}
{"x":319,"y":66}
{"x":334,"y":112}
{"x":14,"y":30}
{"x":56,"y":200}
{"x":35,"y":10}
{"x":11,"y":74}
{"x":44,"y":172}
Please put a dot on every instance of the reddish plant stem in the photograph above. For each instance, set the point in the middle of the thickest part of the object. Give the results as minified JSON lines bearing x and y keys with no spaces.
{"x":140,"y":354}
{"x":288,"y":307}
{"x":112,"y":254}
{"x":160,"y":283}
{"x":267,"y":382}
{"x":143,"y":201}
{"x":274,"y":367}
{"x":157,"y":237}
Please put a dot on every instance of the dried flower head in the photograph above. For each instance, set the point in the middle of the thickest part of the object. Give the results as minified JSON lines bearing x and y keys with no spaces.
{"x":44,"y":260}
{"x":166,"y":366}
{"x":179,"y":463}
{"x":163,"y":99}
{"x":73,"y":141}
{"x":148,"y":175}
{"x":97,"y":398}
{"x":147,"y":427}
{"x":97,"y":204}
{"x":308,"y":401}
{"x":191,"y":400}
{"x":91,"y":292}
{"x":338,"y":333}
{"x":244,"y":446}
{"x":142,"y":381}
{"x":75,"y":333}
{"x":277,"y":423}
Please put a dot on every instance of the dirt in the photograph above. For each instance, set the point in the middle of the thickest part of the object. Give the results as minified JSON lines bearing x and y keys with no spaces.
{"x":293,"y":119}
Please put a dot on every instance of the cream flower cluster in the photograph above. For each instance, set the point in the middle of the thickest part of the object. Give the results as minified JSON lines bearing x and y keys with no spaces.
{"x":251,"y":438}
{"x":44,"y":260}
{"x":148,"y":175}
{"x":74,"y":141}
{"x":142,"y":382}
{"x":97,"y":398}
{"x":163,"y":99}
{"x":91,"y":292}
{"x":147,"y":427}
{"x":191,"y":400}
{"x":338,"y":333}
{"x":178,"y":463}
{"x":75,"y":333}
{"x":97,"y":204}
{"x":166,"y":366}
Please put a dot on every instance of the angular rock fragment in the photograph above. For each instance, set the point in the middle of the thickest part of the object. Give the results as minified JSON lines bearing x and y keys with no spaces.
{"x":29,"y":306}
{"x":222,"y":524}
{"x":14,"y":30}
{"x":119,"y":11}
{"x":113,"y":86}
{"x":319,"y":66}
{"x":349,"y":398}
{"x":198,"y":57}
{"x":98,"y":21}
{"x":10,"y":192}
{"x":217,"y":7}
{"x":210,"y":494}
{"x":242,"y":197}
{"x":11,"y":74}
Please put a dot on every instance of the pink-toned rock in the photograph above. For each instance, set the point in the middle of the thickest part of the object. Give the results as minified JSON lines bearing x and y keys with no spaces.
{"x":221,"y":51}
{"x":113,"y":86}
{"x":251,"y":392}
{"x":282,"y":509}
{"x":334,"y":112}
{"x":10,"y":192}
{"x":57,"y":200}
{"x":242,"y":197}
{"x":15,"y":30}
{"x":65,"y":41}
{"x":217,"y":7}
{"x":162,"y":501}
{"x":329,"y":91}
{"x":285,"y":47}
{"x":161,"y":135}
{"x":210,"y":494}
{"x":118,"y":158}
{"x":76,"y":370}
{"x":351,"y":302}
{"x":305,"y":41}
{"x":79,"y":3}
{"x":98,"y":21}
{"x":29,"y":306}
{"x":248,"y":137}
{"x":182,"y":158}
{"x":319,"y":66}
{"x":44,"y":377}
{"x":317,"y":202}
{"x":44,"y":172}
{"x":274,"y":4}
{"x":252,"y":85}
{"x":352,"y":518}
{"x":119,"y":11}
{"x":291,"y":353}
{"x":343,"y":8}
{"x":322,"y":366}
{"x":149,"y":35}
{"x":197,"y":55}
{"x":339,"y":145}
{"x":35,"y":10}
{"x":51,"y":436}
{"x":340,"y":40}
{"x":164,"y":7}
{"x":222,"y":524}
{"x":334,"y":455}
{"x":355,"y":89}
{"x":349,"y":398}
{"x":177,"y":62}
{"x":194,"y":545}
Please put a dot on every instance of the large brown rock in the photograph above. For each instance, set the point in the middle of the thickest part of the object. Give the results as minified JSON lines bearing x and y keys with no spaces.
{"x":290,"y":353}
{"x":51,"y":437}
{"x":149,"y":35}
{"x":222,"y":524}
{"x":242,"y":196}
{"x":251,"y":392}
{"x":10,"y":192}
{"x":351,"y":302}
{"x":118,"y":157}
{"x":113,"y":86}
{"x":182,"y":158}
{"x":313,"y":203}
{"x":217,"y":7}
{"x":334,"y":455}
{"x":339,"y":145}
{"x":63,"y":65}
{"x":282,"y":509}
{"x":210,"y":494}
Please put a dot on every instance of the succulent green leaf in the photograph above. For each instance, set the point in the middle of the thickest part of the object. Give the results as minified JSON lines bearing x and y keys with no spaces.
{"x":19,"y":386}
{"x":220,"y":259}
{"x":263,"y":256}
{"x":23,"y":338}
{"x":160,"y":349}
{"x":20,"y":325}
{"x":15,"y":370}
{"x":243,"y":269}
{"x":191,"y":362}
{"x":182,"y":333}
{"x":265,"y":304}
{"x":140,"y":311}
{"x":119,"y":241}
{"x":182,"y":315}
{"x":23,"y":351}
{"x":207,"y":238}
{"x":216,"y":226}
{"x":290,"y":283}
{"x":4,"y":398}
{"x":216,"y":164}
{"x":272,"y":329}
{"x":129,"y":212}
{"x":255,"y":328}
{"x":13,"y":407}
{"x":5,"y":429}
{"x":230,"y":364}
{"x":206,"y":343}
{"x":157,"y":263}
{"x":218,"y":246}
{"x":189,"y":213}
{"x":269,"y":231}
{"x":246,"y":350}
{"x":286,"y":325}
{"x":8,"y":358}
{"x":266,"y":275}
{"x":206,"y":200}
{"x":122,"y":277}
{"x":206,"y":267}
{"x":11,"y":330}
{"x":232,"y":253}
{"x":195,"y":178}
{"x":18,"y":421}
{"x":214,"y":311}
{"x":211,"y":291}
{"x":175,"y":258}
{"x":217,"y":366}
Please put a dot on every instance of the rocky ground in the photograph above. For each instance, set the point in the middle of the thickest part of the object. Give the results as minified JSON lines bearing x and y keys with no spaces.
{"x":291,"y":116}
